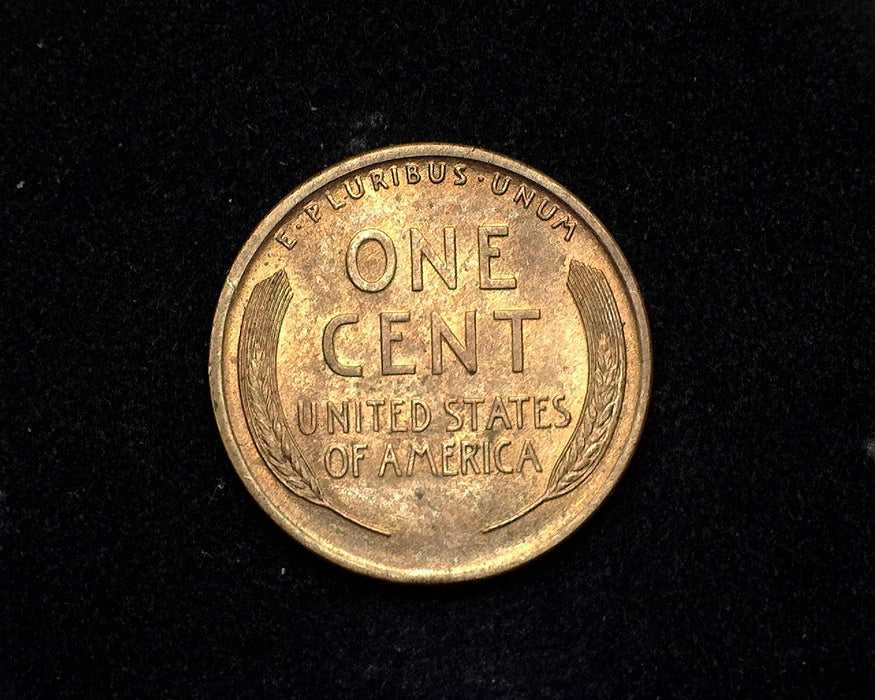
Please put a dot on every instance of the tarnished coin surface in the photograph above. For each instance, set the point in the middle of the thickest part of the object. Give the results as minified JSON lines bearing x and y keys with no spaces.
{"x":430,"y":363}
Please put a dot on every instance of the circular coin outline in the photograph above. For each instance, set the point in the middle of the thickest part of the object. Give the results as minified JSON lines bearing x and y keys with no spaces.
{"x":268,"y":225}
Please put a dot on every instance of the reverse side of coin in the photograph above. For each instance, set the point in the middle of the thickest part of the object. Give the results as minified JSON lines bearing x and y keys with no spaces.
{"x":430,"y":363}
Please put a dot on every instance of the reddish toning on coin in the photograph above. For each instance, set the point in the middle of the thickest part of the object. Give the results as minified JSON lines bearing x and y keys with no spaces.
{"x":430,"y":363}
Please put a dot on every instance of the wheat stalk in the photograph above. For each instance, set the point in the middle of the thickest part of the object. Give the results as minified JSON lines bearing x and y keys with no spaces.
{"x":259,"y":336}
{"x":604,"y":395}
{"x":590,"y":441}
{"x":272,"y":434}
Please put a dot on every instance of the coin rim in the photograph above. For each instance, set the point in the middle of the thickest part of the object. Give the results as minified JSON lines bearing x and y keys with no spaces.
{"x":345,"y":558}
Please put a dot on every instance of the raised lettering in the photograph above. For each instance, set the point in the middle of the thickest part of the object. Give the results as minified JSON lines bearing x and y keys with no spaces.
{"x":527,"y":454}
{"x":334,"y":205}
{"x":542,"y":212}
{"x":446,"y":455}
{"x":413,"y":175}
{"x":388,"y":337}
{"x":311,"y":422}
{"x":437,"y":177}
{"x":312,"y":210}
{"x":441,"y":333}
{"x":542,"y":403}
{"x":497,"y":449}
{"x":445,"y":267}
{"x":518,"y":401}
{"x":454,"y":414}
{"x":500,"y":187}
{"x":567,"y":224}
{"x":469,"y":457}
{"x":344,"y":462}
{"x":375,"y":405}
{"x":498,"y":412}
{"x":486,"y":253}
{"x":328,"y":350}
{"x":395,"y":424}
{"x":377,"y":180}
{"x":284,"y":237}
{"x":566,"y":414}
{"x":333,"y":415}
{"x":352,"y":265}
{"x":524,"y":195}
{"x":516,"y":319}
{"x":472,"y":405}
{"x":389,"y":458}
{"x":420,"y":415}
{"x":358,"y":454}
{"x":359,"y":189}
{"x":420,"y":451}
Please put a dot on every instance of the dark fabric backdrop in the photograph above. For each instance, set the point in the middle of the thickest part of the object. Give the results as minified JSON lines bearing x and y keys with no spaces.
{"x":727,"y":147}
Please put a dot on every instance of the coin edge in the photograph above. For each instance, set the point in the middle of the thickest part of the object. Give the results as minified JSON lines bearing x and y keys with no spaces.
{"x":265,"y":227}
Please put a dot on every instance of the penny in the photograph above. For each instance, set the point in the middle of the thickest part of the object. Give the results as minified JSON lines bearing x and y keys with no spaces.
{"x":430,"y":363}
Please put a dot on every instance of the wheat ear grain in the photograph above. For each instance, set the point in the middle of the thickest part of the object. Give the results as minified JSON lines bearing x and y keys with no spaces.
{"x":604,"y":395}
{"x":259,"y":336}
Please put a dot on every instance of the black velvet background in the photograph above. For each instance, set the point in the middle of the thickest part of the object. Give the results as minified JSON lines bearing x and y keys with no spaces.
{"x":728,"y":150}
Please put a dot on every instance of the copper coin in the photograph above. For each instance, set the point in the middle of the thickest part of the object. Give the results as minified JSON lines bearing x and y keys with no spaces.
{"x":430,"y":363}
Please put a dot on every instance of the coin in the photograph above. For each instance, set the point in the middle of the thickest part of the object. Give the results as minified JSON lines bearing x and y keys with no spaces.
{"x":430,"y":363}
